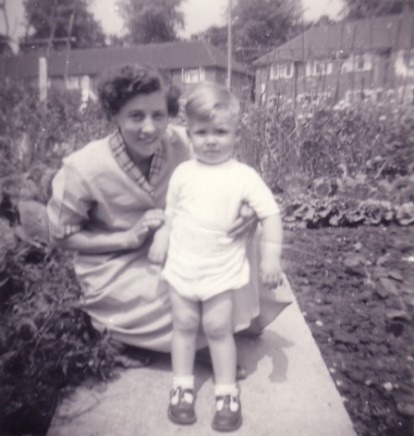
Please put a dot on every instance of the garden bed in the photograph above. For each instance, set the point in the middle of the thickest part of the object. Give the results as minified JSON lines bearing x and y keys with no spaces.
{"x":355,"y":287}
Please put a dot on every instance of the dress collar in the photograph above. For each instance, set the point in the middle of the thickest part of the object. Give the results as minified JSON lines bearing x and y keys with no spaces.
{"x":121,"y":155}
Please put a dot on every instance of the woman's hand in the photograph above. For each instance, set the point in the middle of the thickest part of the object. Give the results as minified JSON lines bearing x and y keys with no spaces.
{"x":245,"y":223}
{"x":157,"y":253}
{"x":149,"y":222}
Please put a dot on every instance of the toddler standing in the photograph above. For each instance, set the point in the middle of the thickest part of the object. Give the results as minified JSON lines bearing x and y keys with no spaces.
{"x":204,"y":266}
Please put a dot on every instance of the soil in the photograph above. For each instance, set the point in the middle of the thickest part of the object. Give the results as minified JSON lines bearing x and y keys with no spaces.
{"x":355,"y":287}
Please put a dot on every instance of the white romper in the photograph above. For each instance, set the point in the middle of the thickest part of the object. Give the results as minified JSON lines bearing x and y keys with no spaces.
{"x":203,"y":201}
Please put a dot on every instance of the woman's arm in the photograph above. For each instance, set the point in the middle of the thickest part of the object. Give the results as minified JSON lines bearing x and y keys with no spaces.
{"x":245,"y":223}
{"x":90,"y":242}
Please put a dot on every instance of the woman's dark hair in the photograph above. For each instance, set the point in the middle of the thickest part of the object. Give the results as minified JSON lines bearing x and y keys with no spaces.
{"x":119,"y":84}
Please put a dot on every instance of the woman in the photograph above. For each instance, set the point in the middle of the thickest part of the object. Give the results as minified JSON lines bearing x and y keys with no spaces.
{"x":108,"y":198}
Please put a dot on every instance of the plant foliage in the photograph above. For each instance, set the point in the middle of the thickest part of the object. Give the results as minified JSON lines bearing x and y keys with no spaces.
{"x":150,"y":21}
{"x":49,"y":19}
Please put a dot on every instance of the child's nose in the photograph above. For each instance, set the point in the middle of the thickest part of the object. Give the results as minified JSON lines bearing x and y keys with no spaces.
{"x":211,"y":141}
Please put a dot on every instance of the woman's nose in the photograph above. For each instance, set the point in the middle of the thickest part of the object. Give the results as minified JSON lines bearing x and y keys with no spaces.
{"x":148,"y":125}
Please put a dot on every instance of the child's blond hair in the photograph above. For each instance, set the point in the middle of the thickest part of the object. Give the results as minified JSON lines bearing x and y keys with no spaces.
{"x":208,"y":100}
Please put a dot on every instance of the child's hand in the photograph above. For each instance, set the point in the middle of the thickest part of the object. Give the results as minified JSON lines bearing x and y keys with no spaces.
{"x":271,"y":272}
{"x":157,"y":254}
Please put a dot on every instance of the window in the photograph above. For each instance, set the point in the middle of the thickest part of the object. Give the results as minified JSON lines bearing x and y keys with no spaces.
{"x":409,"y":58}
{"x":193,"y":75}
{"x":360,"y":62}
{"x":318,"y":68}
{"x":282,"y":70}
{"x":72,"y":82}
{"x":311,"y":98}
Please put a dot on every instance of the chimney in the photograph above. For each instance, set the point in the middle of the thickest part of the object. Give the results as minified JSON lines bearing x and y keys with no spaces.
{"x":408,"y":6}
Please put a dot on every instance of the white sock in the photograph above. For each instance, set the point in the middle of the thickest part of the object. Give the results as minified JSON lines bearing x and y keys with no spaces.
{"x":183,"y":381}
{"x":230,"y":389}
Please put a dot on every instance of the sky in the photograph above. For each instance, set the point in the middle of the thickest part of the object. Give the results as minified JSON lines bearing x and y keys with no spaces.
{"x":198,"y":14}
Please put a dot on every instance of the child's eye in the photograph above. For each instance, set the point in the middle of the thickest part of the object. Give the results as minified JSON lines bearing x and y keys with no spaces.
{"x":221,"y":131}
{"x":159,"y":116}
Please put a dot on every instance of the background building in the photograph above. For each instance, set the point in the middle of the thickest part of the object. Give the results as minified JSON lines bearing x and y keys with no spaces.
{"x":351,"y":60}
{"x":187,"y":63}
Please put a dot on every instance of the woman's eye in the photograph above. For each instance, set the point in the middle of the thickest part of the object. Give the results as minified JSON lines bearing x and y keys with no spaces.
{"x":137,"y":116}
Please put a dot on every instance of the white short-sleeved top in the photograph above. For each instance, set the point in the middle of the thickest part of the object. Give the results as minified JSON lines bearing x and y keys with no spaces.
{"x":203,"y":201}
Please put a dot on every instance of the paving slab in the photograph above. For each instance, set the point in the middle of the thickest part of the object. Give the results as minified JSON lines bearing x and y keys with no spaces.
{"x":288,"y":392}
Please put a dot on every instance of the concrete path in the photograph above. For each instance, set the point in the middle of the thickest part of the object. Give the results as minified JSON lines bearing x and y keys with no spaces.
{"x":289,"y":392}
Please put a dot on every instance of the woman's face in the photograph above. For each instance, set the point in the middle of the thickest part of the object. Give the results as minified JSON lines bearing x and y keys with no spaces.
{"x":142,"y":121}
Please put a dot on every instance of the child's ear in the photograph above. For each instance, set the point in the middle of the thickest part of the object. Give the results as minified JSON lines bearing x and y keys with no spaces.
{"x":238,"y":133}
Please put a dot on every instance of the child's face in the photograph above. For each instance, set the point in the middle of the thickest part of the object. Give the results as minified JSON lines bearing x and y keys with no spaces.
{"x":213,"y":140}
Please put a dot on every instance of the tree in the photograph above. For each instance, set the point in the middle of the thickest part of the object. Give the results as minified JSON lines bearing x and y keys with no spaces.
{"x":258,"y":26}
{"x":5,"y":45}
{"x":50,"y":20}
{"x":372,"y":8}
{"x":150,"y":21}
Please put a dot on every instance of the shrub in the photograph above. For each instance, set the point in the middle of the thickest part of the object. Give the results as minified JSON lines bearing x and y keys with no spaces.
{"x":34,"y":132}
{"x":372,"y":143}
{"x":46,"y":341}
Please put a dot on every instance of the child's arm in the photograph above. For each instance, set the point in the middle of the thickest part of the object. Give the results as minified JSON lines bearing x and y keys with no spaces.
{"x":159,"y":247}
{"x":271,"y":249}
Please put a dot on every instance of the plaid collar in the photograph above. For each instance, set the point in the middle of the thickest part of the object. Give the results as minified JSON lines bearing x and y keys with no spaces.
{"x":121,"y":155}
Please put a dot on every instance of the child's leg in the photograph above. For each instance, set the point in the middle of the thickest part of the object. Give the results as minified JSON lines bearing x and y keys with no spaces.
{"x":186,"y":320}
{"x":217,"y":324}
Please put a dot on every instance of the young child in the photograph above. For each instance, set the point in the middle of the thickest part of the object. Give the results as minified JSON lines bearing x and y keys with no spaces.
{"x":204,"y":266}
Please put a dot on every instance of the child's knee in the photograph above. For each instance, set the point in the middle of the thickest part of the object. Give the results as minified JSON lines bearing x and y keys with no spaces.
{"x":186,"y":322}
{"x":215,"y":328}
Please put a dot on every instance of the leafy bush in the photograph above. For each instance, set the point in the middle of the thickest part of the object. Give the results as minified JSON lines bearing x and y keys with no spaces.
{"x":321,"y":160}
{"x":46,"y":341}
{"x":34,"y":132}
{"x":371,"y":142}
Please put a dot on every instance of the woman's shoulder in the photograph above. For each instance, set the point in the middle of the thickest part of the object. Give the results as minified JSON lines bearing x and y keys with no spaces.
{"x":91,"y":155}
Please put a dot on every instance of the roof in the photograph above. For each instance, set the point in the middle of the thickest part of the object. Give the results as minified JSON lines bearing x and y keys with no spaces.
{"x":379,"y":33}
{"x":167,"y":56}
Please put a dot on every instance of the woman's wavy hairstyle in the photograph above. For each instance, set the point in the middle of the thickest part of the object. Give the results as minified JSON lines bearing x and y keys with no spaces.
{"x":119,"y":84}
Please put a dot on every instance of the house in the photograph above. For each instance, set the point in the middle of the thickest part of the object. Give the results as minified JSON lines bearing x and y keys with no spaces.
{"x":367,"y":59}
{"x":186,"y":62}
